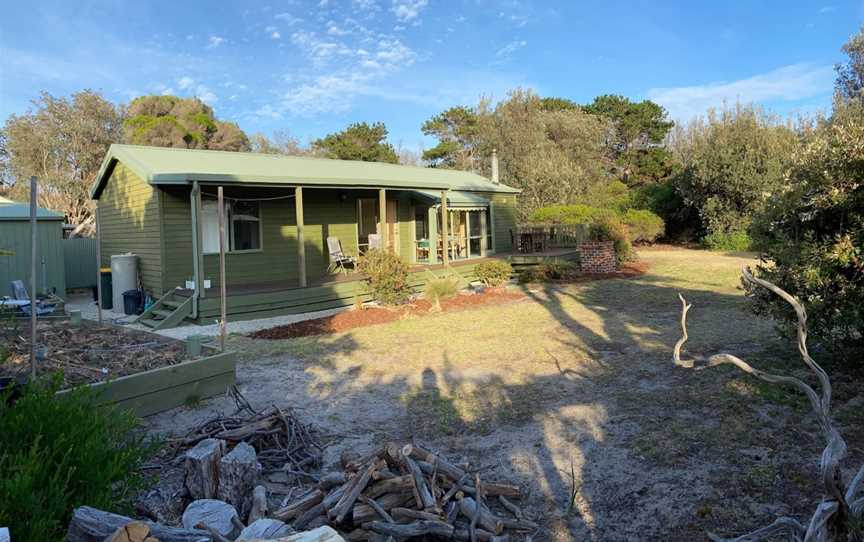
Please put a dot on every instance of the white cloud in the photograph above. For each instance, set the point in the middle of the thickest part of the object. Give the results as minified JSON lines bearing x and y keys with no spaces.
{"x":789,"y":83}
{"x":275,"y":35}
{"x":288,"y":19}
{"x":827,"y":9}
{"x":405,"y":10}
{"x":185,"y":82}
{"x":365,"y":5}
{"x":205,"y":94}
{"x":215,"y":41}
{"x":511,"y":48}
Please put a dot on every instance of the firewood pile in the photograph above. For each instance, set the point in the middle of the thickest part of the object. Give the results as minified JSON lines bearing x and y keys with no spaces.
{"x":283,"y":443}
{"x":406,"y":491}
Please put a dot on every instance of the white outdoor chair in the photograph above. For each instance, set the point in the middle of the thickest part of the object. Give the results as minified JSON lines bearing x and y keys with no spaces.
{"x":338,"y":258}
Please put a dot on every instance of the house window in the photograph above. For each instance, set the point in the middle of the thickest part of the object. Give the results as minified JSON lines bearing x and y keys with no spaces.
{"x":242,"y":226}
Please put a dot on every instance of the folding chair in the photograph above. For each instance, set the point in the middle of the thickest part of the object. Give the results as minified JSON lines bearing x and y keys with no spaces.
{"x":338,"y":258}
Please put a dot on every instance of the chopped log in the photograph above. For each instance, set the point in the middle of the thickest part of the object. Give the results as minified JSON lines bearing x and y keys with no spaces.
{"x":201,"y":465}
{"x":333,"y":497}
{"x":238,"y":473}
{"x":320,"y":534}
{"x":219,"y":516}
{"x":358,"y":484}
{"x":259,"y":508}
{"x":519,"y":524}
{"x":482,"y":536}
{"x":408,"y":514}
{"x":358,"y":535}
{"x":347,"y":457}
{"x":486,"y":520}
{"x":445,"y":467}
{"x":135,"y":531}
{"x":451,"y":513}
{"x":408,"y":530}
{"x":307,"y":517}
{"x":398,"y":484}
{"x":332,"y":479}
{"x":297,"y":507}
{"x":214,"y":534}
{"x":92,"y":525}
{"x":493,"y":489}
{"x":377,"y":507}
{"x":426,"y":500}
{"x":264,"y":529}
{"x":511,"y":507}
{"x":383,"y":474}
{"x":361,"y":461}
{"x":364,"y":512}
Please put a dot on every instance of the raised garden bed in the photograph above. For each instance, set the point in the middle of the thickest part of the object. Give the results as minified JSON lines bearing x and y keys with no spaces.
{"x":370,"y":316}
{"x":131,"y":369}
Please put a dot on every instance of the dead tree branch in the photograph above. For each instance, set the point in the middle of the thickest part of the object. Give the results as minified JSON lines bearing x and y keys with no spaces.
{"x":838,"y":511}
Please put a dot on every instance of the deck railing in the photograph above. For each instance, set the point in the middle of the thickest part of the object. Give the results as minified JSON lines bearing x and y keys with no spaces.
{"x":554,"y":235}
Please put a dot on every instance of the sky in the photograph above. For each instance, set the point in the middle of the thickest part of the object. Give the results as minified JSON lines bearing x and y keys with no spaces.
{"x":312,"y":67}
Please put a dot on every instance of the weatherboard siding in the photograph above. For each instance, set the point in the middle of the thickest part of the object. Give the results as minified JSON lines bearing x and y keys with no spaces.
{"x":15,"y":237}
{"x":129,"y":220}
{"x":504,"y":220}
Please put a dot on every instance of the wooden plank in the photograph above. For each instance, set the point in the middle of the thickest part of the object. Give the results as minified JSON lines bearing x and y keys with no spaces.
{"x":177,"y":315}
{"x":168,"y":398}
{"x":445,"y":230}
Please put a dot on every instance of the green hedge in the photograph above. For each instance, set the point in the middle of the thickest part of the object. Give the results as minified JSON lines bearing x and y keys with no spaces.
{"x":643,"y":226}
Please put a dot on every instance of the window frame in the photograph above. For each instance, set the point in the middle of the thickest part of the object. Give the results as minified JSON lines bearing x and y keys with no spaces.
{"x":229,"y":226}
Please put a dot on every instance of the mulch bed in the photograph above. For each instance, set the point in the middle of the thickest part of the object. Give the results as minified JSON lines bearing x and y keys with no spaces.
{"x":371,"y":316}
{"x":85,"y":354}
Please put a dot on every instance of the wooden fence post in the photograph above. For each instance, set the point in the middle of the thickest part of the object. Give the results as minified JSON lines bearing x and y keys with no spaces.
{"x":34,"y":239}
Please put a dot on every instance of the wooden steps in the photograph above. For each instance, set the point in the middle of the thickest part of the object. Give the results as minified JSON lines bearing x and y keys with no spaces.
{"x":168,"y":311}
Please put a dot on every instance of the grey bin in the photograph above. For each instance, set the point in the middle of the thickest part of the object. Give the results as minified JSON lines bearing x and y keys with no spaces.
{"x":124,"y":277}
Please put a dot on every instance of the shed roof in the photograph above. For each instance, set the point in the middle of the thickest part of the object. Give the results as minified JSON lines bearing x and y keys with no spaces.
{"x":13,"y":210}
{"x":159,"y":165}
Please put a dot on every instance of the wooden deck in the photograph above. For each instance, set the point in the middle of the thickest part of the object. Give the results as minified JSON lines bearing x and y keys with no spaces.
{"x":275,"y":298}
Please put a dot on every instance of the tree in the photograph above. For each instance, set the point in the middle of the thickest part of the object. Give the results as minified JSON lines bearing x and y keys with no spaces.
{"x":732,"y":162}
{"x":553,"y":156}
{"x":850,"y":76}
{"x":457,"y":131}
{"x":636,"y":139}
{"x":189,"y":123}
{"x":281,"y":143}
{"x":359,"y":141}
{"x":61,"y":141}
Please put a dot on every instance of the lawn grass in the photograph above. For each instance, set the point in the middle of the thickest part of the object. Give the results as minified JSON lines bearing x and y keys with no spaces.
{"x":583,"y":372}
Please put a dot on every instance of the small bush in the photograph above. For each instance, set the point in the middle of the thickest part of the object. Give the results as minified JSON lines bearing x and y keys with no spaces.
{"x":57,"y":453}
{"x":612,"y":229}
{"x":388,"y":276}
{"x":643,"y":225}
{"x":569,"y":214}
{"x":548,"y":272}
{"x":493,"y":273}
{"x":736,"y":241}
{"x":440,"y":288}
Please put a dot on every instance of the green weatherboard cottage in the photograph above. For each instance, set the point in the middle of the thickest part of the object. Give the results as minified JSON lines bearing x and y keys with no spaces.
{"x":160,"y":204}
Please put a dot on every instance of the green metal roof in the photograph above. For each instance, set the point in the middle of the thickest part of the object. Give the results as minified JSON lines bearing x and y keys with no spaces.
{"x":455,"y":198}
{"x":12,"y":210}
{"x":159,"y":165}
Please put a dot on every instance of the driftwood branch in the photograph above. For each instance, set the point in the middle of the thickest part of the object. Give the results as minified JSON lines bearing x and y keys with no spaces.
{"x":838,"y":510}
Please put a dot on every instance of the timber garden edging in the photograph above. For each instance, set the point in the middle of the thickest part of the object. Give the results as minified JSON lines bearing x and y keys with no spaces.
{"x":165,"y":388}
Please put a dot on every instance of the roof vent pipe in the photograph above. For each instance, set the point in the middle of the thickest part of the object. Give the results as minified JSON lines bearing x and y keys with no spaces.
{"x":495,"y":166}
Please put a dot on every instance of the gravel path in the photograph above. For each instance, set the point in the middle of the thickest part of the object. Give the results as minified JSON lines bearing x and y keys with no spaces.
{"x":85,"y":304}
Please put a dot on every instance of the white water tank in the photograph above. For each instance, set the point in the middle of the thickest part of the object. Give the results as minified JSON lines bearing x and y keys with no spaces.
{"x":124,"y":277}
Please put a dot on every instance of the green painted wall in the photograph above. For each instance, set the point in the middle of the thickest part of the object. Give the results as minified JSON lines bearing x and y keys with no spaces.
{"x":504,"y":219}
{"x":129,"y":218}
{"x":15,"y":236}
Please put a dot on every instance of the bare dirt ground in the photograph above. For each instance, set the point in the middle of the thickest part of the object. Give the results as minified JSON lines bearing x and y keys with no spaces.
{"x":575,"y":376}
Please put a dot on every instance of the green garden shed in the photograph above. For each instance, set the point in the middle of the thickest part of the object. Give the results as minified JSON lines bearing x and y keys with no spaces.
{"x":15,"y":243}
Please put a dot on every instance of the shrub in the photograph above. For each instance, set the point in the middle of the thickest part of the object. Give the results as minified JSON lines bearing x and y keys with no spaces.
{"x":643,"y":225}
{"x":735,"y":241}
{"x":388,"y":276}
{"x":549,"y":271}
{"x":493,"y":273}
{"x":57,"y":453}
{"x":569,"y":214}
{"x":440,"y":288}
{"x":612,"y":229}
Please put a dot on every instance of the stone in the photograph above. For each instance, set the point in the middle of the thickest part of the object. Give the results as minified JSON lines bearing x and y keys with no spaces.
{"x":219,"y":516}
{"x":264,"y":529}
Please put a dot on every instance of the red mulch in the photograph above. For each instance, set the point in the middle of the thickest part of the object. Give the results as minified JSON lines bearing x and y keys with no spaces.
{"x":381,"y":315}
{"x":371,"y":316}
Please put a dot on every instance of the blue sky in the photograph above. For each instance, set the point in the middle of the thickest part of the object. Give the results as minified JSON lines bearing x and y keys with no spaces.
{"x":312,"y":67}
